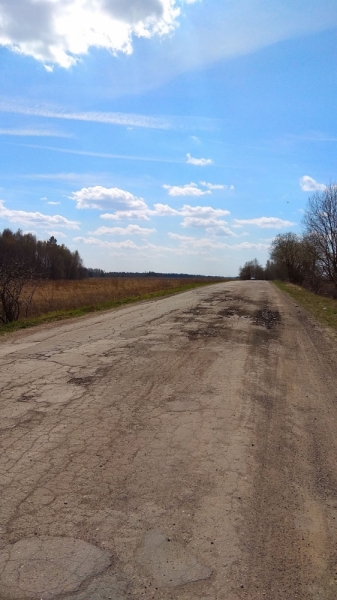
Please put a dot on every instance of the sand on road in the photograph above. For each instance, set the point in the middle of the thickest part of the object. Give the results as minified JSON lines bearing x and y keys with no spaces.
{"x":178,"y":449}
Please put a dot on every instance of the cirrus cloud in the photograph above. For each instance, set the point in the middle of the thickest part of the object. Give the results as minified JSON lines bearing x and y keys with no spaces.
{"x":34,"y":133}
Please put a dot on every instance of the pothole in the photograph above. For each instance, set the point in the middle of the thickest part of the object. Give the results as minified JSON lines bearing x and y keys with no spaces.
{"x":209,"y":332}
{"x":267,"y":318}
{"x":26,"y":398}
{"x":81,"y":380}
{"x":227,"y":312}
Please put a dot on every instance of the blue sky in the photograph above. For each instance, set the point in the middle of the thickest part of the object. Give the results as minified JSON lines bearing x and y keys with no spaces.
{"x":165,"y":135}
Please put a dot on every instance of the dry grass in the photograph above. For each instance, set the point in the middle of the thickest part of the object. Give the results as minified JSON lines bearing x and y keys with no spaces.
{"x":322,"y":308}
{"x":52,"y":296}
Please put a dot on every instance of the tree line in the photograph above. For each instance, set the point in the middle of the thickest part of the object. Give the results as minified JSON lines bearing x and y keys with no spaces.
{"x":309,"y":259}
{"x":146,"y":275}
{"x":46,"y":259}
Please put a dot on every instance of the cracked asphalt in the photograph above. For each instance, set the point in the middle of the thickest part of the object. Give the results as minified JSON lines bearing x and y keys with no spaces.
{"x":180,"y":449}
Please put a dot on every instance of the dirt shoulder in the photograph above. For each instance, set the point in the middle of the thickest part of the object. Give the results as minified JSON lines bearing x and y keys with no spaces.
{"x":321,"y":308}
{"x":177,"y":449}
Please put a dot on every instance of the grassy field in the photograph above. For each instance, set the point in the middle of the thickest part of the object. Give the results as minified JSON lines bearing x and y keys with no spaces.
{"x":322,"y":308}
{"x":57,"y":300}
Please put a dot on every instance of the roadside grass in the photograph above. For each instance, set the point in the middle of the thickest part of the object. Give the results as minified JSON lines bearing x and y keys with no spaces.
{"x":322,"y":308}
{"x":59,"y":300}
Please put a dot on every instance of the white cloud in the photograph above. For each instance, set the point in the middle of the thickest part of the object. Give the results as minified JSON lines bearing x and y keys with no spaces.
{"x":103,"y":198}
{"x":58,"y":32}
{"x":206,"y":243}
{"x":202,"y":211}
{"x":249,"y":246}
{"x":57,"y":234}
{"x":181,"y":238}
{"x":235,"y":29}
{"x":213,"y":186}
{"x":142,"y":214}
{"x":127,"y":206}
{"x":230,"y":28}
{"x":182,"y":245}
{"x":199,"y":162}
{"x":190,"y":189}
{"x":211,"y":225}
{"x":264,"y":222}
{"x":129,"y":230}
{"x":267,"y":240}
{"x":146,"y":250}
{"x":308,"y":184}
{"x":53,"y":203}
{"x":164,"y":210}
{"x":200,"y":222}
{"x":35,"y":219}
{"x":95,"y":242}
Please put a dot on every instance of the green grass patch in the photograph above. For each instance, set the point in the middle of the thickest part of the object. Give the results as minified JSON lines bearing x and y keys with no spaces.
{"x":60,"y":315}
{"x":322,"y":308}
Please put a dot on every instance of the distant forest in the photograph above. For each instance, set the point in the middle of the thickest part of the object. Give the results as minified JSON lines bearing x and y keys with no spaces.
{"x":101,"y":273}
{"x":50,"y":260}
{"x":41,"y":259}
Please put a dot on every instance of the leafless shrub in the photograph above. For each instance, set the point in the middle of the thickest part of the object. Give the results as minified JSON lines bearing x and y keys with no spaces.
{"x":320,"y":221}
{"x":14,"y":277}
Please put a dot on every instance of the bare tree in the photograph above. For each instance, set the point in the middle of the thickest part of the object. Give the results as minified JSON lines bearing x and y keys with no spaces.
{"x":251,"y":270}
{"x":14,"y":276}
{"x":320,"y":221}
{"x":287,"y":255}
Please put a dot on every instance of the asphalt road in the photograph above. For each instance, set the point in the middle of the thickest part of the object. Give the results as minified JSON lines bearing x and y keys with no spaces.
{"x":180,"y":449}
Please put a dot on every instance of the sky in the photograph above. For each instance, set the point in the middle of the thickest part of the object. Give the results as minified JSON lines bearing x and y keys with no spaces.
{"x":166,"y":135}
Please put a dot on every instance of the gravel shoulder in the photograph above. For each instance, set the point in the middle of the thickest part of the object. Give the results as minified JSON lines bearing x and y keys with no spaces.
{"x":180,"y":449}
